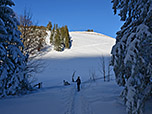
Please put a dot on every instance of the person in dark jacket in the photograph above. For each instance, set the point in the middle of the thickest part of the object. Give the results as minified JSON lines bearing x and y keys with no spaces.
{"x":78,"y":83}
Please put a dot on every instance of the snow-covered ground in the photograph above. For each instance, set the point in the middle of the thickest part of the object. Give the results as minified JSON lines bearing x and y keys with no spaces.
{"x":95,"y":97}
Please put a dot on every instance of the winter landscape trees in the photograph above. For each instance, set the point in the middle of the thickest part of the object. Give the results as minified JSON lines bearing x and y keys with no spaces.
{"x":13,"y":79}
{"x":60,"y":38}
{"x":33,"y":36}
{"x":131,"y":55}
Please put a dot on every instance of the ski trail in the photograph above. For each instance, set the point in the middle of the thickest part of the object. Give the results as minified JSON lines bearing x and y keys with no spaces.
{"x":86,"y":105}
{"x":81,"y":105}
{"x":77,"y":103}
{"x":70,"y":99}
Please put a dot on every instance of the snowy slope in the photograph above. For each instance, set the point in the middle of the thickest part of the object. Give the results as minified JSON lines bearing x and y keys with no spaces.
{"x":82,"y":57}
{"x":97,"y":97}
{"x":86,"y":44}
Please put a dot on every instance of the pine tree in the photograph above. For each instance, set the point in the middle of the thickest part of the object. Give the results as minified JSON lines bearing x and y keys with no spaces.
{"x":62,"y":34}
{"x":60,"y":38}
{"x":49,"y":26}
{"x":131,"y":55}
{"x":12,"y":59}
{"x":57,"y":42}
{"x":67,"y":38}
{"x":52,"y":36}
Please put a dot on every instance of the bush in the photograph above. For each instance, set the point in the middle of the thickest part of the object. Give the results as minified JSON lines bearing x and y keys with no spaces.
{"x":90,"y":30}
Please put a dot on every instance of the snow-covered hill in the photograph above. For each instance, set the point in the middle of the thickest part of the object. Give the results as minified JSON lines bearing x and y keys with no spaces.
{"x":95,"y":97}
{"x":83,"y":57}
{"x":86,"y":44}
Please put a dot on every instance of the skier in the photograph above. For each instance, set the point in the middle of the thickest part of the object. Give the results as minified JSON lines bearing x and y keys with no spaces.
{"x":78,"y":83}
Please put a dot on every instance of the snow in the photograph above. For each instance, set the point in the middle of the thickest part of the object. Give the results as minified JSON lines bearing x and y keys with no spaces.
{"x":48,"y":37}
{"x":95,"y":97}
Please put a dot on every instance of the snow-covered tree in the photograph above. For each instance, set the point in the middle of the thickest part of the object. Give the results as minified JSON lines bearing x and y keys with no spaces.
{"x":13,"y":80}
{"x":132,"y":55}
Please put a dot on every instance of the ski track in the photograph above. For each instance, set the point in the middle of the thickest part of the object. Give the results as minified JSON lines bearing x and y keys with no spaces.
{"x":76,"y":102}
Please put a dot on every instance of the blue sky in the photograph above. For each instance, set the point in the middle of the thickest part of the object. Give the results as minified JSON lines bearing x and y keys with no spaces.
{"x":76,"y":14}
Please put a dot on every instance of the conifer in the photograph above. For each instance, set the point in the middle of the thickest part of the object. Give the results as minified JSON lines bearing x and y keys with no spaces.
{"x":60,"y":38}
{"x":49,"y":26}
{"x":67,"y":38}
{"x":131,"y":55}
{"x":13,"y":80}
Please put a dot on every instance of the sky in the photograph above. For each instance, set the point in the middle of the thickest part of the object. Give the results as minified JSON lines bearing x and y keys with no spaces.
{"x":78,"y":15}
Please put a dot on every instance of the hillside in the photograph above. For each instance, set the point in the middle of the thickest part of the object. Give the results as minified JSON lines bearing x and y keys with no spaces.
{"x":82,"y":57}
{"x":95,"y":97}
{"x":86,"y":44}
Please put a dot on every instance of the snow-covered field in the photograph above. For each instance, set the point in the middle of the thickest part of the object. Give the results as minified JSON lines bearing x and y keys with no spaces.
{"x":95,"y":97}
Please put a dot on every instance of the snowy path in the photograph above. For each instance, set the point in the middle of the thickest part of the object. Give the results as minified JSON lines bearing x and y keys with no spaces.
{"x":77,"y":103}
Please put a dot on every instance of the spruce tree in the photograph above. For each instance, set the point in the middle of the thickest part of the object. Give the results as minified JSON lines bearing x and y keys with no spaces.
{"x":57,"y":42}
{"x":67,"y":38}
{"x":52,"y":36}
{"x":49,"y":26}
{"x":12,"y":59}
{"x":60,"y":38}
{"x":62,"y":33}
{"x":131,"y":55}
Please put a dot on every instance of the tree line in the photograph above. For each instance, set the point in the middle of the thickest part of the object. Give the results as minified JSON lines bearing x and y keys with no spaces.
{"x":60,"y":37}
